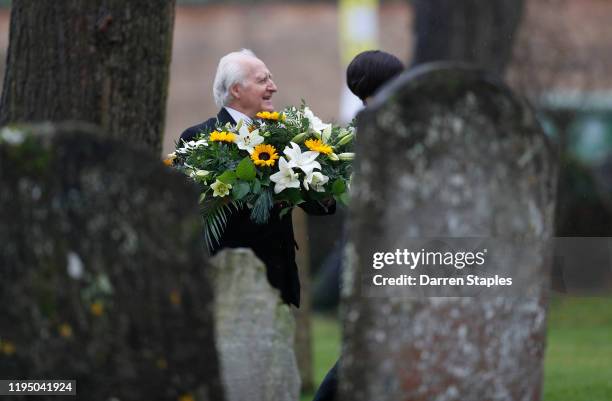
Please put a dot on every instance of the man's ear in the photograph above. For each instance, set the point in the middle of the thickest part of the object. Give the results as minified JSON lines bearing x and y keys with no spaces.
{"x":235,"y":91}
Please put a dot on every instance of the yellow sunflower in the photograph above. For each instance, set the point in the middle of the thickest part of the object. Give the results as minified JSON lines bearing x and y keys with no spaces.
{"x":318,"y":146}
{"x":264,"y":155}
{"x":275,"y":115}
{"x":222,"y":136}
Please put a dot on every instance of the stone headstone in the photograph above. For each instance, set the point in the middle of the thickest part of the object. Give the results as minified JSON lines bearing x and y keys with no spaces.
{"x":448,"y":152}
{"x":102,"y":269}
{"x":254,"y":331}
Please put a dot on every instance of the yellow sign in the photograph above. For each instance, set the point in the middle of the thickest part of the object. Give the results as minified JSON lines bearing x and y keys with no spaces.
{"x":358,"y":27}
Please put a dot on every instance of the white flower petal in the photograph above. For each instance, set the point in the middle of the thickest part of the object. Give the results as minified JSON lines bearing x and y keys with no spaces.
{"x":316,"y":181}
{"x":220,"y":189}
{"x":309,"y":156}
{"x":285,"y":177}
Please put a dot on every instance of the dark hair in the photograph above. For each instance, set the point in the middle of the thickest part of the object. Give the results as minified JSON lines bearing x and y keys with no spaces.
{"x":371,"y":69}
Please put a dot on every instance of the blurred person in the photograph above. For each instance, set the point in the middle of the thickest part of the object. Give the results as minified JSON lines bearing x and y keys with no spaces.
{"x":243,"y":86}
{"x":365,"y":75}
{"x":369,"y":71}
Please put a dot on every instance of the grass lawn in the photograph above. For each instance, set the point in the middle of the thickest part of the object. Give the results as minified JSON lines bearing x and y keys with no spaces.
{"x":578,"y":363}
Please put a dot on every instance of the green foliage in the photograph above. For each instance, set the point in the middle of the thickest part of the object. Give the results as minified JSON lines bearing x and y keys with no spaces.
{"x":292,"y":195}
{"x":240,"y":190}
{"x":338,"y":187}
{"x":246,"y":170}
{"x":215,"y":212}
{"x":228,"y":177}
{"x":256,"y":186}
{"x":343,"y":198}
{"x":261,"y":209}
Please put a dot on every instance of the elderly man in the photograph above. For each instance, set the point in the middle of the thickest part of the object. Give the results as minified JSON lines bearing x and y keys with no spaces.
{"x":243,"y":87}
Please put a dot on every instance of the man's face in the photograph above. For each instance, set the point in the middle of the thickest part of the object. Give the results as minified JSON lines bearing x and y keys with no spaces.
{"x":255,"y":93}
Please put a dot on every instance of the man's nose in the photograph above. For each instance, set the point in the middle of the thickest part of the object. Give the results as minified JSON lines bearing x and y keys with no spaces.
{"x":272,"y":86}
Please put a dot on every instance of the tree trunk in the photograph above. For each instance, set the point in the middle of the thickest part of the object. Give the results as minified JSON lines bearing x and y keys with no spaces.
{"x":474,"y":31}
{"x":101,"y":61}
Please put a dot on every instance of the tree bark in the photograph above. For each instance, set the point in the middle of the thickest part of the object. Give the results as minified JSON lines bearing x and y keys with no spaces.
{"x":474,"y":31}
{"x":101,"y":61}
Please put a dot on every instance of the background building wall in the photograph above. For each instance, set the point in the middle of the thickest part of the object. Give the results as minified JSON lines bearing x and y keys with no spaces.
{"x":298,"y":42}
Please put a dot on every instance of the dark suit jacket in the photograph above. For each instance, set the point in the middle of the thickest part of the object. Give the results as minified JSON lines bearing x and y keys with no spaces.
{"x":272,"y":242}
{"x":208,"y":126}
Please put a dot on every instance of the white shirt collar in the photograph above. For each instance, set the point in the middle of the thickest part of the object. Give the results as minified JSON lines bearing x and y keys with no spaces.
{"x":237,"y":115}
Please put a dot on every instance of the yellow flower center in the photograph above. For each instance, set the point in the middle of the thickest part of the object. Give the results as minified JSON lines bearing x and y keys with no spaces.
{"x":264,"y":155}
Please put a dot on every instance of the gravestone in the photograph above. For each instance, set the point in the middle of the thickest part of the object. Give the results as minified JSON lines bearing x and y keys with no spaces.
{"x":102,"y":269}
{"x":254,"y":331}
{"x":447,"y":157}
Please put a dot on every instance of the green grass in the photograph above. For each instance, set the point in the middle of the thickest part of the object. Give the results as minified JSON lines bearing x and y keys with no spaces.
{"x":326,"y":348}
{"x":578,"y":362}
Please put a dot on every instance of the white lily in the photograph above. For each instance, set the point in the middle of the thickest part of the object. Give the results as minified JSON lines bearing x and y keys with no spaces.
{"x":248,"y":140}
{"x":315,"y":122}
{"x":197,"y":144}
{"x":220,"y":188}
{"x":191,"y":145}
{"x":285,"y":178}
{"x":316,"y":181}
{"x":302,"y":160}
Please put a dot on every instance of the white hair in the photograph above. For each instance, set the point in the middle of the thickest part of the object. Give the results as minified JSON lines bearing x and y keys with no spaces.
{"x":229,"y":72}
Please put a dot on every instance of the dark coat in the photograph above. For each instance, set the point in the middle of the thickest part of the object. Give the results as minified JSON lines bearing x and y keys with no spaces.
{"x":272,"y":242}
{"x":208,"y":126}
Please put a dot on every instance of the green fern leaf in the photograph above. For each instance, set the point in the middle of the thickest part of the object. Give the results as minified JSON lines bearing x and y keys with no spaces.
{"x":261,"y":209}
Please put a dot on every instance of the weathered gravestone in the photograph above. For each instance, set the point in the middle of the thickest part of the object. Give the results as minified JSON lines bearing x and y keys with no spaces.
{"x":447,"y":152}
{"x":254,"y":331}
{"x":102,"y":275}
